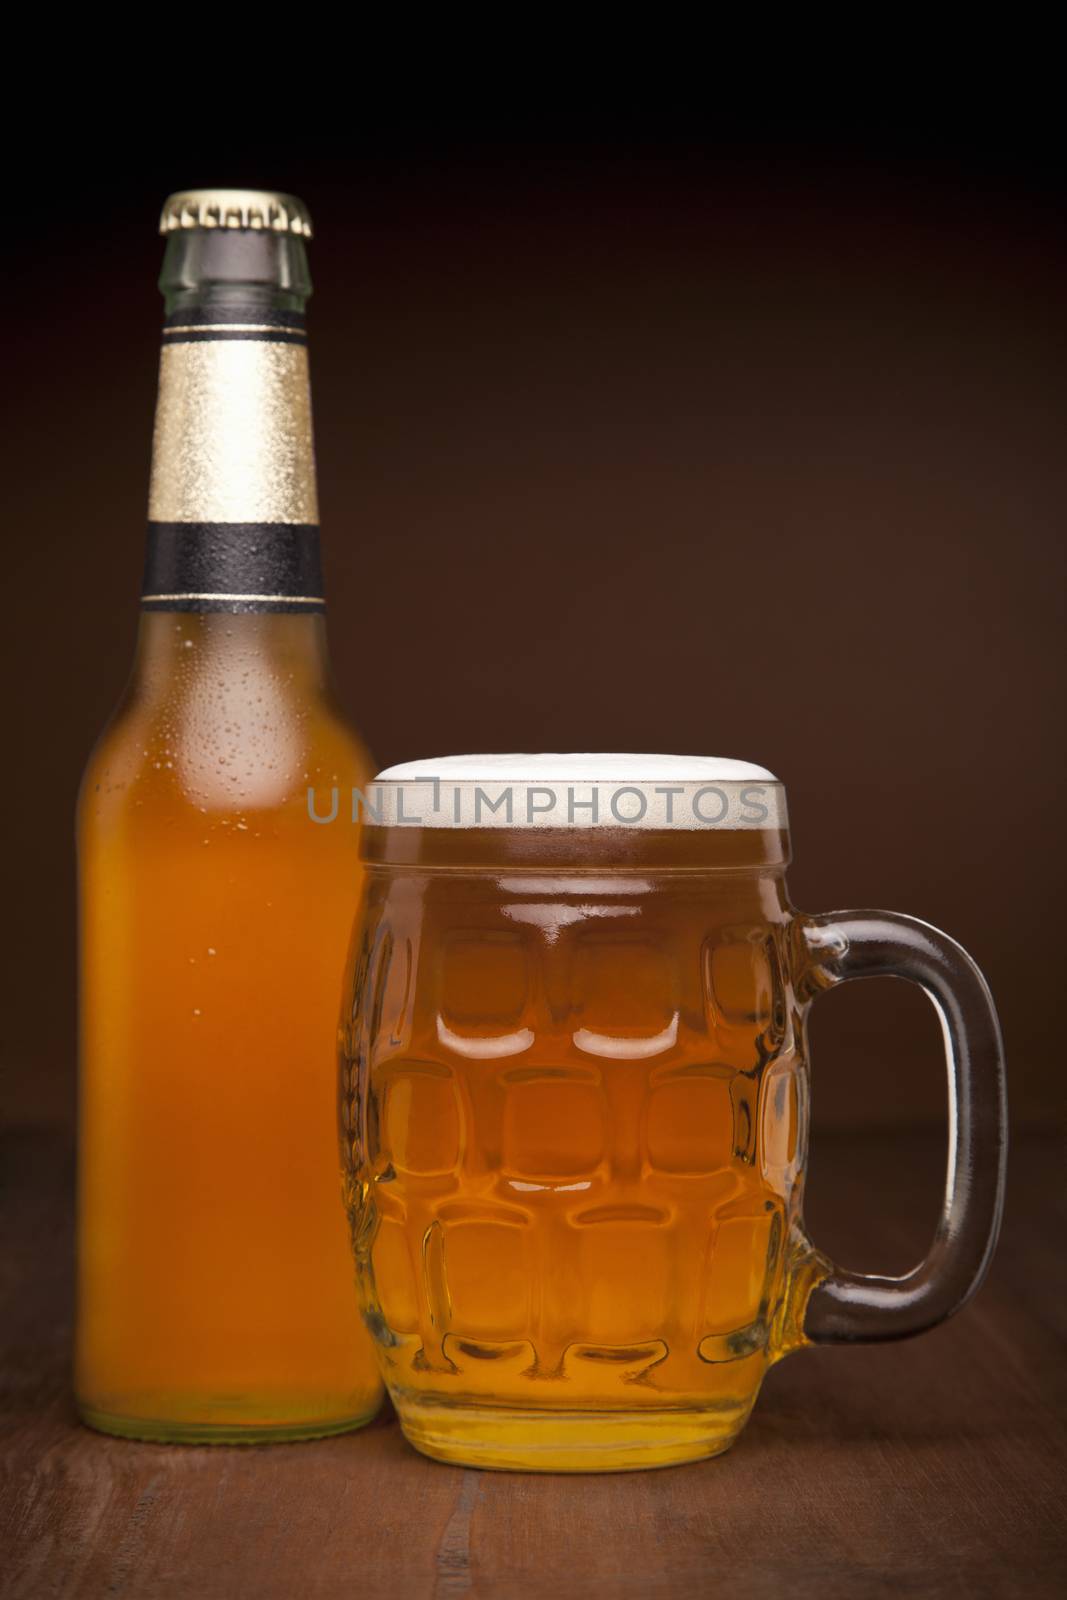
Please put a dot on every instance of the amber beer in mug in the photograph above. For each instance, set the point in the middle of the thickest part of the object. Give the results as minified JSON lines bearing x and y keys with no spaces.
{"x":574,"y":1107}
{"x":215,"y":1293}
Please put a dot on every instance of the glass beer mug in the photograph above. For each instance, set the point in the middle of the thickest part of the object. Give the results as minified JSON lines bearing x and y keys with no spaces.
{"x":574,"y":1107}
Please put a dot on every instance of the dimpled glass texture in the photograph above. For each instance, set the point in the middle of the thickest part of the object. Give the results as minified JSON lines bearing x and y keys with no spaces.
{"x":574,"y":1110}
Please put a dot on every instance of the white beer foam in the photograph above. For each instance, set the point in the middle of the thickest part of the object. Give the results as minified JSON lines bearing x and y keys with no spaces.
{"x":613,"y":790}
{"x":609,"y":766}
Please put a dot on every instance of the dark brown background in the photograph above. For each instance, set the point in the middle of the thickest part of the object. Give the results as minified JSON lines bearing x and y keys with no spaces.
{"x":730,"y":441}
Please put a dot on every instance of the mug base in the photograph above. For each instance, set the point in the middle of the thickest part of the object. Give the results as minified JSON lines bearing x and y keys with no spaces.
{"x":540,"y":1440}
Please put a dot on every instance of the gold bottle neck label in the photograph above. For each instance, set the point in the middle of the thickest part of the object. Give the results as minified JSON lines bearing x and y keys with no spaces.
{"x":233,"y":438}
{"x":233,"y":509}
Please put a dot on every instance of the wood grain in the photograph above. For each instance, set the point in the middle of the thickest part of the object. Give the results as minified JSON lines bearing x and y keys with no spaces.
{"x":934,"y":1467}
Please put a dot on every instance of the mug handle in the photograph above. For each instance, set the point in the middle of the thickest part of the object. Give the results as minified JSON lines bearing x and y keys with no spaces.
{"x":848,"y":1307}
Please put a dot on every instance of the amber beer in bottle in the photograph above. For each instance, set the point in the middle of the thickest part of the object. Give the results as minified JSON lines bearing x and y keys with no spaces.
{"x":215,"y":1291}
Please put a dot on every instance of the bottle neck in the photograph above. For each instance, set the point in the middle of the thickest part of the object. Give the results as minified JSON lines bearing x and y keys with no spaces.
{"x":221,"y":269}
{"x":233,"y":510}
{"x":188,"y":646}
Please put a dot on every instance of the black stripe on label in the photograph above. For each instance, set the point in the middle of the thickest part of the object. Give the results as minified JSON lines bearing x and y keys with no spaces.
{"x":259,"y":316}
{"x":233,"y":607}
{"x":232,"y":566}
{"x":221,"y":335}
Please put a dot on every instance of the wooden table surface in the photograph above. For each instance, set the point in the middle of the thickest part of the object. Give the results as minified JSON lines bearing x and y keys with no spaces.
{"x":932,"y":1467}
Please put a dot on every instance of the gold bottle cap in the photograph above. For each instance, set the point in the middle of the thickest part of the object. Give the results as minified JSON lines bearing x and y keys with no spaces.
{"x":258,"y":209}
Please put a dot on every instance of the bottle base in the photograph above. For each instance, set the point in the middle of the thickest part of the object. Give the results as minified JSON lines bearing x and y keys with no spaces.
{"x":153,"y":1430}
{"x":538,"y":1440}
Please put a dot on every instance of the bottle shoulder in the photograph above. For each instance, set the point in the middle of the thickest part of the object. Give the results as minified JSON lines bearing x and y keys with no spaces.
{"x":256,"y":742}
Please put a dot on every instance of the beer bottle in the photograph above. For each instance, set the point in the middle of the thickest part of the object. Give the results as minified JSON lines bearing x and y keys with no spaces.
{"x":216,"y":1299}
